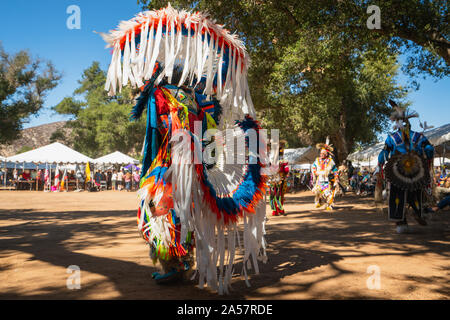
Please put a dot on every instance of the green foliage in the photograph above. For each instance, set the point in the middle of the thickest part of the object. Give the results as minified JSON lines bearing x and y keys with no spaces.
{"x":24,"y":149}
{"x":321,"y":87}
{"x":57,"y":136}
{"x":419,"y":29}
{"x":24,"y":82}
{"x":317,"y":70}
{"x":101,"y":123}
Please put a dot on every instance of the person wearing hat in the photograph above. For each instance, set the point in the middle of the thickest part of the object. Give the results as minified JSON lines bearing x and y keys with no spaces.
{"x":405,"y":162}
{"x":322,"y":168}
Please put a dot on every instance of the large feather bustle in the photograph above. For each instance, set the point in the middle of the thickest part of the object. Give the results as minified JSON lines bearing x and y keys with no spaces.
{"x":191,"y":40}
{"x":215,"y":230}
{"x":215,"y":237}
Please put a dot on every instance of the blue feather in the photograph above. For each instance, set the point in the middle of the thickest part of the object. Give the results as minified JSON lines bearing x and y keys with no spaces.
{"x":142,"y":100}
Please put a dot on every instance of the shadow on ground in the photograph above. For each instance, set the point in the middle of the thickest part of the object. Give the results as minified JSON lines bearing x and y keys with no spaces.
{"x":46,"y":237}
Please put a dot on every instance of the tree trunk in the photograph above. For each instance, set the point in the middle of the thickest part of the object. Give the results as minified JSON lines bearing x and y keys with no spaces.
{"x":340,"y":140}
{"x":441,"y":45}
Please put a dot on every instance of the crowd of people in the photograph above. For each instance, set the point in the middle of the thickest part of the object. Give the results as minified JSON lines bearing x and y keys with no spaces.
{"x":299,"y":180}
{"x":360,"y":180}
{"x":40,"y":179}
{"x":442,"y":190}
{"x":363,"y":181}
{"x":442,"y":177}
{"x":18,"y":178}
{"x":116,"y":180}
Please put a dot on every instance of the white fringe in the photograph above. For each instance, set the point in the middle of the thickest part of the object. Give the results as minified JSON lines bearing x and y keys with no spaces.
{"x":215,"y":242}
{"x":202,"y":58}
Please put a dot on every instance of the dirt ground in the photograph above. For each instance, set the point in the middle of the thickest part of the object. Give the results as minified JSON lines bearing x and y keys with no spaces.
{"x":312,"y":253}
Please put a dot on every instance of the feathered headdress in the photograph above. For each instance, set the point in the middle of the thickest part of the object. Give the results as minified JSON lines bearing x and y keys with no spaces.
{"x":209,"y":56}
{"x":327,"y":146}
{"x":425,"y":126}
{"x":401,"y":115}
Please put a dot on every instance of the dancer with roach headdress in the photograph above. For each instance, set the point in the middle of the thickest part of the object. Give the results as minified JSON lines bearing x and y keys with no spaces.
{"x":405,"y":163}
{"x":323,"y":167}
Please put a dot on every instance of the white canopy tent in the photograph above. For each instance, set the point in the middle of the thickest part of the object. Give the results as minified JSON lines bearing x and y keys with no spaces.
{"x":116,"y":158}
{"x":371,"y":163}
{"x":305,"y":166}
{"x":367,"y":156}
{"x":305,"y":155}
{"x":53,"y":153}
{"x":440,"y":138}
{"x":4,"y":163}
{"x":439,"y":135}
{"x":30,"y":165}
{"x":48,"y":157}
{"x":439,"y":161}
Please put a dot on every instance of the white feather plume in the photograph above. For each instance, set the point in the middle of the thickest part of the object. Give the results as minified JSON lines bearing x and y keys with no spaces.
{"x":200,"y":54}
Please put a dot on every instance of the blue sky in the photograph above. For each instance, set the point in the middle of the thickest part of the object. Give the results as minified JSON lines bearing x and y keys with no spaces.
{"x":40,"y":26}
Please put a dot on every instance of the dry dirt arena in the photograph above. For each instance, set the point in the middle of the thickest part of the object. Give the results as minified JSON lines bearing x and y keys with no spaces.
{"x":312,"y":253}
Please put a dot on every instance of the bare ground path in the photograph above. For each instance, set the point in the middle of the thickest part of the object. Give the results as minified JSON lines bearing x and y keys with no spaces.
{"x":313,"y":254}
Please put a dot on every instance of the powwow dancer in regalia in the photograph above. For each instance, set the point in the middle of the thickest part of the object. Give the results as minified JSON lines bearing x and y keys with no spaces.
{"x":193,"y":79}
{"x":324,"y":166}
{"x":407,"y":158}
{"x":278,"y":187}
{"x":278,"y":183}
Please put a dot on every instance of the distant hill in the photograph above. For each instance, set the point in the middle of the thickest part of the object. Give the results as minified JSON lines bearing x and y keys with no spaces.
{"x":32,"y":138}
